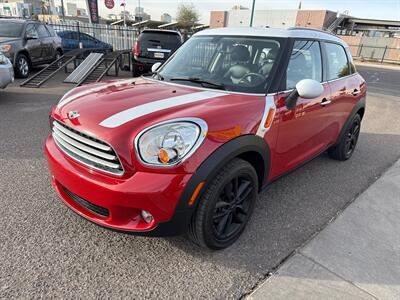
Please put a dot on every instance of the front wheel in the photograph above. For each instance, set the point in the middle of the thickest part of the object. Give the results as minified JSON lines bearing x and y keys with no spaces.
{"x":22,"y":66}
{"x":225,"y":206}
{"x":347,"y":144}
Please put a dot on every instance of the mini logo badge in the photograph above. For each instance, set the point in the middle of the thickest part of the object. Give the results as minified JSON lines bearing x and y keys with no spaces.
{"x":73,"y":115}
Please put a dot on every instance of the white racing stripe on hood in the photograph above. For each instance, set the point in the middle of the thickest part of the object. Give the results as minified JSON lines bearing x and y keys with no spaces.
{"x":144,"y":109}
{"x":67,"y":98}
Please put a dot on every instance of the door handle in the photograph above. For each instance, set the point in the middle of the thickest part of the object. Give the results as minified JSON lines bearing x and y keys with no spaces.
{"x":325,"y":102}
{"x":356,"y":92}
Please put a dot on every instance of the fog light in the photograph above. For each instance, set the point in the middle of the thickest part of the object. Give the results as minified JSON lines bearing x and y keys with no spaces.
{"x":147,"y":217}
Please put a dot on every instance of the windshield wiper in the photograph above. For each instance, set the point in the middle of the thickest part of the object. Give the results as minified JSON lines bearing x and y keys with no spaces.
{"x":200,"y":81}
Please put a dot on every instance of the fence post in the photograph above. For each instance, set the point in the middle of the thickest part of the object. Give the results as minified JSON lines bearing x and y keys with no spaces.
{"x":79,"y":35}
{"x":360,"y":50}
{"x":383,"y":56}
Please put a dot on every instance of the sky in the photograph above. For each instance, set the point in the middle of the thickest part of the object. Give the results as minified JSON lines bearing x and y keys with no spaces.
{"x":383,"y":9}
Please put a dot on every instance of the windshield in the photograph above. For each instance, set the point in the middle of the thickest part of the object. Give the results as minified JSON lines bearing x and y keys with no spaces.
{"x":240,"y":64}
{"x":10,"y":29}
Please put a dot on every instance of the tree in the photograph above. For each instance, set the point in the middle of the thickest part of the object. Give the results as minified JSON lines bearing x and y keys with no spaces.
{"x":187,"y":15}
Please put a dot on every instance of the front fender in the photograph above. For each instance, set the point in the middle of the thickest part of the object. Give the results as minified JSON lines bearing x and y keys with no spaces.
{"x":237,"y":147}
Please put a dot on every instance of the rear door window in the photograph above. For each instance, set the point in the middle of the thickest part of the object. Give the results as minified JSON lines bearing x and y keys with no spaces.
{"x":305,"y":63}
{"x":338,"y":65}
{"x":42,"y":31}
{"x":51,"y":30}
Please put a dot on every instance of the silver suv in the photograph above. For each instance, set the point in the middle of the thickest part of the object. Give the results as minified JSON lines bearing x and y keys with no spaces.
{"x":28,"y":43}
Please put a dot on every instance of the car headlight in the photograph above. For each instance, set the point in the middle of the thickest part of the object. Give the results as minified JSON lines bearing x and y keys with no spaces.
{"x":169,"y":143}
{"x":3,"y":59}
{"x":5,"y":48}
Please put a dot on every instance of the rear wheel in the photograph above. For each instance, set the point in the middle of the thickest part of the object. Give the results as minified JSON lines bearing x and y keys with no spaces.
{"x":58,"y":56}
{"x":135,"y":71}
{"x":22,"y":66}
{"x":346,"y":146}
{"x":225,"y":206}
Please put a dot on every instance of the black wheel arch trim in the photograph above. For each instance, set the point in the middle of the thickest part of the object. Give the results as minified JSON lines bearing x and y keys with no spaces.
{"x":236,"y":147}
{"x":359,"y":105}
{"x":220,"y":157}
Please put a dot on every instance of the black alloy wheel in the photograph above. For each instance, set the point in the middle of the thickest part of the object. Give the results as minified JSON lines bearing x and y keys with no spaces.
{"x":345,"y":147}
{"x":352,"y":137}
{"x":233,"y":206}
{"x":224,"y":206}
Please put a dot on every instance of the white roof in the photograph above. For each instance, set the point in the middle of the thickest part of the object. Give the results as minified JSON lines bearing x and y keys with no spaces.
{"x":294,"y":32}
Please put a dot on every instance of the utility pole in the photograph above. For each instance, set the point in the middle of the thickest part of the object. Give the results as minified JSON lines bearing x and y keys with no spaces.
{"x":140,"y":13}
{"x":62,"y":10}
{"x":252,"y":13}
{"x":124,"y":14}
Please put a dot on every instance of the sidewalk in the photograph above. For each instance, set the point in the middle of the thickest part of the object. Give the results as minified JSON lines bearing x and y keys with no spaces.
{"x":357,"y":256}
{"x":377,"y":65}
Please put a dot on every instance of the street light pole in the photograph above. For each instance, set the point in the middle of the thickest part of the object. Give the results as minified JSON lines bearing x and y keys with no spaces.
{"x":124,"y":15}
{"x":140,"y":13}
{"x":62,"y":10}
{"x":252,"y":13}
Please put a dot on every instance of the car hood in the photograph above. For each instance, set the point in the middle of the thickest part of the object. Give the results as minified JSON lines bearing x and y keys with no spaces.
{"x":117,"y":111}
{"x":114,"y":105}
{"x":4,"y":39}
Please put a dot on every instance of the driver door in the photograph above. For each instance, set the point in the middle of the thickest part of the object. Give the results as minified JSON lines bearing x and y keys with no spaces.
{"x":304,"y":130}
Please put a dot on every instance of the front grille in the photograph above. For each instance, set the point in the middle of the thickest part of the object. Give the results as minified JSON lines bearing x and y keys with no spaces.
{"x":86,"y":149}
{"x":98,"y":210}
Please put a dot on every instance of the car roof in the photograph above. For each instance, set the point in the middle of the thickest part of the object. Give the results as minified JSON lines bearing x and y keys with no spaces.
{"x":16,"y":20}
{"x":293,"y":32}
{"x":161,"y":31}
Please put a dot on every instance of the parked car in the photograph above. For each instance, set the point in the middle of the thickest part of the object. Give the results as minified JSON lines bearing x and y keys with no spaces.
{"x":28,"y":43}
{"x":188,"y":149}
{"x":6,"y":71}
{"x":71,"y":40}
{"x":151,"y":46}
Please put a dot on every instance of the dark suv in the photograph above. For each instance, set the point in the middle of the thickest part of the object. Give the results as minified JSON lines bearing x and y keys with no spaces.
{"x":154,"y":45}
{"x":28,"y":43}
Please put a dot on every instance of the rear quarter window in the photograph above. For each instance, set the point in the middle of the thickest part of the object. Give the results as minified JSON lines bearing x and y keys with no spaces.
{"x":338,"y":65}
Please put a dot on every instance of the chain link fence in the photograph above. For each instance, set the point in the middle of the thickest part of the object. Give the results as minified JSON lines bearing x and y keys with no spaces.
{"x":376,"y":53}
{"x":120,"y":37}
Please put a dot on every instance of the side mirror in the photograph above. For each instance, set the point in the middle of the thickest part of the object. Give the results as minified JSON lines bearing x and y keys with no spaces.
{"x":306,"y":88}
{"x":155,"y":67}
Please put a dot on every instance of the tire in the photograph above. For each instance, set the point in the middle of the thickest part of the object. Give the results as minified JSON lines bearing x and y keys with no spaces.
{"x":135,"y":71}
{"x":347,"y":144}
{"x":58,"y":56}
{"x":59,"y":53}
{"x":22,"y":66}
{"x":221,"y":217}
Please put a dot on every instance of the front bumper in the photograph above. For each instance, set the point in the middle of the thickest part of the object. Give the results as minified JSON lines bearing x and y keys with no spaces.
{"x":123,"y":198}
{"x":6,"y":75}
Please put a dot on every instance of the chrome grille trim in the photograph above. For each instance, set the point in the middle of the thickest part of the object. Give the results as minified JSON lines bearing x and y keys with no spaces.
{"x":78,"y":137}
{"x":86,"y":149}
{"x":81,"y":146}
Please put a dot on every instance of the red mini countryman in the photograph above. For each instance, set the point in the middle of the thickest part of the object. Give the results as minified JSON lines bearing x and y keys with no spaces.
{"x":187,"y":149}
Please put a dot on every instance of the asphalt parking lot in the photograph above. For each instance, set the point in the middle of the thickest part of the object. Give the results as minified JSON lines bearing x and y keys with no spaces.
{"x":48,"y":251}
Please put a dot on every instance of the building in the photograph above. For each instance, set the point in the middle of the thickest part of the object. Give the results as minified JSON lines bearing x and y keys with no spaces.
{"x":239,"y":16}
{"x":348,"y":25}
{"x":17,"y":10}
{"x":166,"y":18}
{"x":320,"y":19}
{"x":81,"y":12}
{"x":29,"y":7}
{"x":72,"y":9}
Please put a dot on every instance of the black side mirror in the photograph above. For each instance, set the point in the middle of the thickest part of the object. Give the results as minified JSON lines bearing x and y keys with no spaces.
{"x":291,"y":99}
